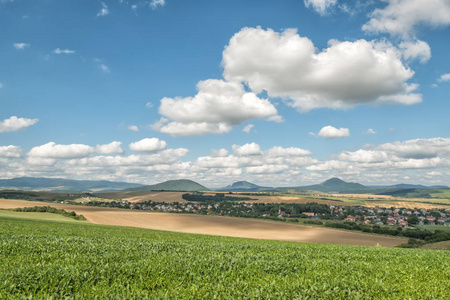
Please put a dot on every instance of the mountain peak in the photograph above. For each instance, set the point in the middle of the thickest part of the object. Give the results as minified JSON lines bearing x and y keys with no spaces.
{"x":333,"y":180}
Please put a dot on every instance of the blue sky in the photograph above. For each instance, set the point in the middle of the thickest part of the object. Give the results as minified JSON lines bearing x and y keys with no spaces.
{"x":281,"y":93}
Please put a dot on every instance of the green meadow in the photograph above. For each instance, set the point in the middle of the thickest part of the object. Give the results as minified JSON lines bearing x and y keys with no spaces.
{"x":43,"y":258}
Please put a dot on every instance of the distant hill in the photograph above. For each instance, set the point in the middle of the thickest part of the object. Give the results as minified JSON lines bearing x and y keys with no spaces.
{"x":246,"y":187}
{"x":336,"y":185}
{"x":183,"y":185}
{"x":409,"y":186}
{"x":63,"y":185}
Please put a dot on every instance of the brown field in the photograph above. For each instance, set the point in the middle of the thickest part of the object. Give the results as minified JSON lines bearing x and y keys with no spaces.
{"x":405,"y":204}
{"x":215,"y":225}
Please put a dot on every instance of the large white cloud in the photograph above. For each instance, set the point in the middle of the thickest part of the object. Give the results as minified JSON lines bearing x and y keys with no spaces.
{"x":321,"y":6}
{"x":343,"y":75}
{"x":14,"y":124}
{"x":217,"y":107}
{"x":10,"y":151}
{"x":330,"y":132}
{"x":53,"y":150}
{"x":111,"y":148}
{"x":148,"y":145}
{"x":401,"y":17}
{"x":247,"y":149}
{"x":444,"y":77}
{"x":278,"y":151}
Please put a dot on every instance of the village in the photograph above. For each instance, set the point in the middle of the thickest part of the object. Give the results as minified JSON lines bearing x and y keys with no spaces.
{"x":359,"y":214}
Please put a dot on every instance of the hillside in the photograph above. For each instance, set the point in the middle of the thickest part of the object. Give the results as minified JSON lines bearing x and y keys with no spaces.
{"x":336,"y":185}
{"x":63,"y":185}
{"x":182,"y":185}
{"x":240,"y":186}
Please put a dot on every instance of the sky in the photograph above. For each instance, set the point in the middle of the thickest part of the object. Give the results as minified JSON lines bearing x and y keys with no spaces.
{"x":278,"y":93}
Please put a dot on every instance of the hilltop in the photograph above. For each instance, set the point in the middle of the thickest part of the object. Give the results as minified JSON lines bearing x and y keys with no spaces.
{"x":336,"y":185}
{"x":183,"y":185}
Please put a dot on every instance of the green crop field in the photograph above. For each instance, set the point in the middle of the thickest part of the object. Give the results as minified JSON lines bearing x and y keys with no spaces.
{"x":50,"y":259}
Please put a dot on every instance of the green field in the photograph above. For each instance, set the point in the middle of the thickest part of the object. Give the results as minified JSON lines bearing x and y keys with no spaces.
{"x":44,"y":259}
{"x":435,"y":227}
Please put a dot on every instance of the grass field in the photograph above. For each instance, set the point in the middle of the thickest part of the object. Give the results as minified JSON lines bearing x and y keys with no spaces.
{"x":44,"y":259}
{"x":435,"y":227}
{"x":438,"y":246}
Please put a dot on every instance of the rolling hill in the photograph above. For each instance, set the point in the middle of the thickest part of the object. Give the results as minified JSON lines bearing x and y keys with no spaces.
{"x":182,"y":185}
{"x":63,"y":185}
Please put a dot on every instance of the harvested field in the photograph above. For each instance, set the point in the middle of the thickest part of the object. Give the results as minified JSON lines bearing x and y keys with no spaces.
{"x":215,"y":225}
{"x":405,"y":204}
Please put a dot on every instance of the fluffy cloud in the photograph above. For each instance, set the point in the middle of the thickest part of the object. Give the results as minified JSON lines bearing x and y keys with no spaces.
{"x":155,"y":3}
{"x":247,"y":149}
{"x":21,"y":46}
{"x":219,"y":153}
{"x":416,"y":50}
{"x":266,"y":169}
{"x":10,"y":151}
{"x":278,"y":151}
{"x":217,"y":107}
{"x":401,"y":17}
{"x":53,"y":150}
{"x":148,"y":145}
{"x":364,"y":156}
{"x":63,"y":51}
{"x":444,"y":77}
{"x":371,"y":131}
{"x":330,"y":132}
{"x":418,"y":148}
{"x":111,"y":148}
{"x":14,"y":124}
{"x":345,"y":74}
{"x":321,"y":6}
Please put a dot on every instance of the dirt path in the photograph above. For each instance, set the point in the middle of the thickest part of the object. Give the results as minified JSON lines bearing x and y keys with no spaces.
{"x":215,"y":225}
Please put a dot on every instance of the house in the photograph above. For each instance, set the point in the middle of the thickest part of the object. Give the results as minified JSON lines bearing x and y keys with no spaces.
{"x":350,"y":218}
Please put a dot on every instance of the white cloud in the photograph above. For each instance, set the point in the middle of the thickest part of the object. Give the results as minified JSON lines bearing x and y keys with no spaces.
{"x":330,"y":132}
{"x":219,"y":153}
{"x":266,"y":169}
{"x":320,"y":6}
{"x":63,"y":51}
{"x":111,"y":148}
{"x":278,"y":151}
{"x":104,"y":11}
{"x":217,"y":107}
{"x":371,"y":131}
{"x":329,"y":165}
{"x":14,"y":124}
{"x":418,"y":148}
{"x":155,"y":3}
{"x":10,"y":151}
{"x":148,"y":145}
{"x":133,"y":128}
{"x":149,"y":104}
{"x":415,"y":50}
{"x":21,"y":46}
{"x":248,"y":128}
{"x":53,"y":150}
{"x":247,"y":149}
{"x":364,"y":156}
{"x":444,"y":77}
{"x":402,"y":17}
{"x":345,"y":74}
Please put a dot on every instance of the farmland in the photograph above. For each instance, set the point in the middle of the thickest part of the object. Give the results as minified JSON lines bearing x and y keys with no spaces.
{"x":226,"y":226}
{"x":47,"y":259}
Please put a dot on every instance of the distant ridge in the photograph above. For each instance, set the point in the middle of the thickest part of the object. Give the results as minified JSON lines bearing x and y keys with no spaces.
{"x":182,"y":185}
{"x":63,"y":185}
